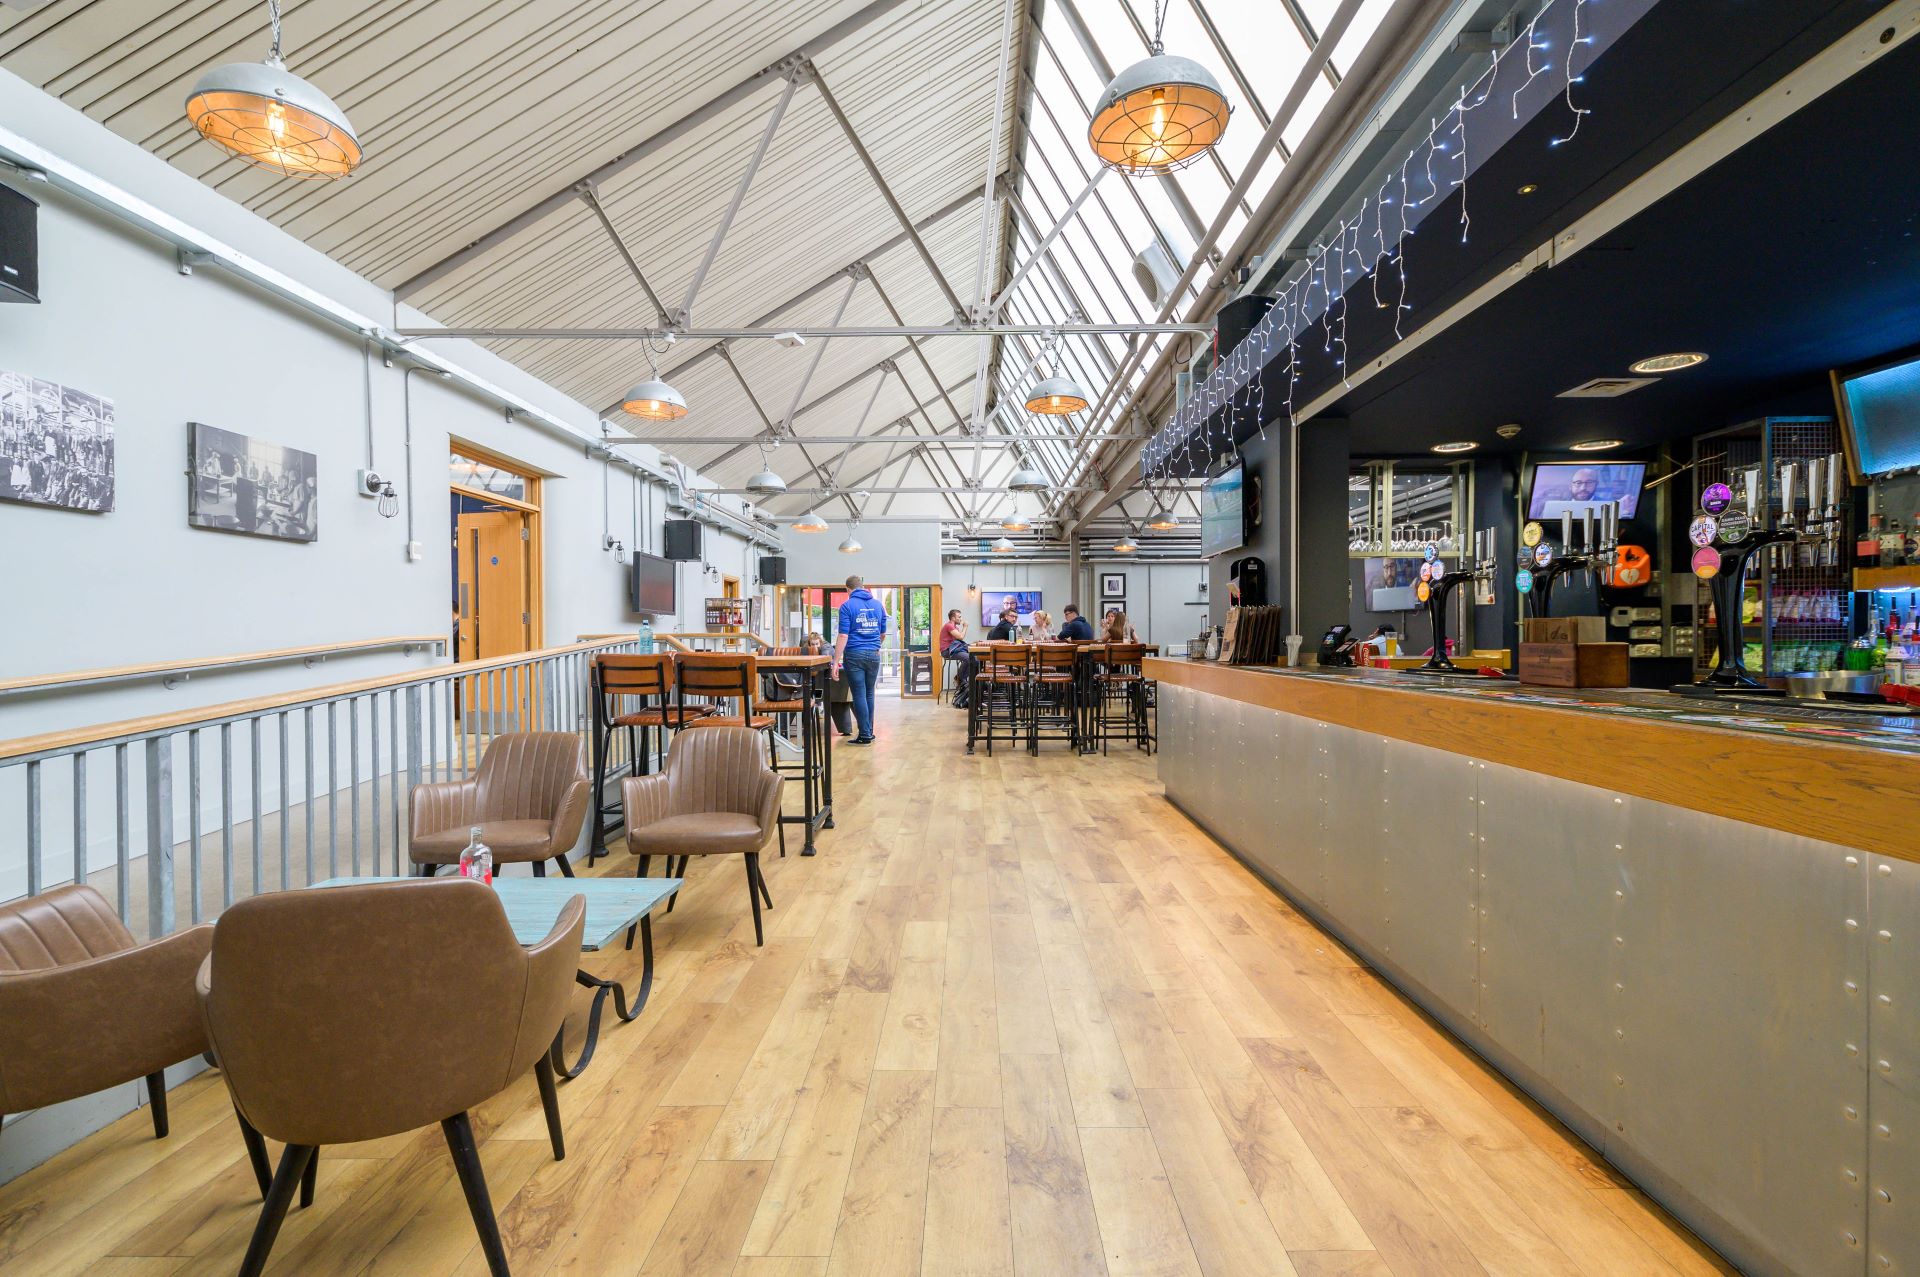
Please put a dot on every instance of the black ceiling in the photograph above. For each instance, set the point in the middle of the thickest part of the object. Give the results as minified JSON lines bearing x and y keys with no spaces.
{"x":1794,"y":255}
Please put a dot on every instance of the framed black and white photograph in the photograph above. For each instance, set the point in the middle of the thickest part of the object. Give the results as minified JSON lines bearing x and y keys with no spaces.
{"x":56,"y":445}
{"x":242,"y":484}
{"x":1113,"y":585}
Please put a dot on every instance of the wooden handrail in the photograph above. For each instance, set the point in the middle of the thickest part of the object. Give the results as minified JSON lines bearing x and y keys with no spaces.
{"x":75,"y":737}
{"x":166,"y":669}
{"x":678,"y":640}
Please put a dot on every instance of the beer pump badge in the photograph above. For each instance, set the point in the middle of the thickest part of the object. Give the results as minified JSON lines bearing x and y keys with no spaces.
{"x":1532,"y":534}
{"x":1706,"y":563}
{"x":1543,"y":554}
{"x":1431,"y":554}
{"x":1426,"y":571}
{"x":1703,"y":529}
{"x":1422,"y":591}
{"x":1523,"y":581}
{"x":1716,"y":498}
{"x":1734,"y":526}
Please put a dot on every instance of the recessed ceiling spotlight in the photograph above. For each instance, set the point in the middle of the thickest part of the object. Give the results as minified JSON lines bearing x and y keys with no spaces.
{"x":1597,"y":445}
{"x":1458,"y":446}
{"x":1669,"y":363}
{"x":1509,"y":431}
{"x":1529,"y":188}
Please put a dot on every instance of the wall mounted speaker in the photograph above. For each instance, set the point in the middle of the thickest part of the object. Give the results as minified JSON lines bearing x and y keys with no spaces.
{"x":19,"y":247}
{"x":682,"y":537}
{"x":773,"y":570}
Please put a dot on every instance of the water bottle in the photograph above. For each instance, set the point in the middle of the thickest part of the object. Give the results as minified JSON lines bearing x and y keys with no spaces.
{"x":646,"y":637}
{"x":477,"y":860}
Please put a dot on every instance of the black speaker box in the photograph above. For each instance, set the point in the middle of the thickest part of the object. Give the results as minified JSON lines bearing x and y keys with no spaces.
{"x":773,"y":570}
{"x":683,"y":539}
{"x":19,"y":247}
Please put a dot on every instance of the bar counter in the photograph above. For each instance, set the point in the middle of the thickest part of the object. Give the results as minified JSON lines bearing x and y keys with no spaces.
{"x":1687,"y":927}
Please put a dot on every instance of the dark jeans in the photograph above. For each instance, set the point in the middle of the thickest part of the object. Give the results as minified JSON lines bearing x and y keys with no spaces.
{"x":863,"y":675}
{"x":968,"y":665}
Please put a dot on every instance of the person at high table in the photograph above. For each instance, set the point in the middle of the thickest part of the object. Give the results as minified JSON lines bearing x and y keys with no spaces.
{"x":1008,"y":628}
{"x":953,"y":646}
{"x":1116,"y":629}
{"x":1074,"y":628}
{"x":856,"y":651}
{"x":1041,"y":631}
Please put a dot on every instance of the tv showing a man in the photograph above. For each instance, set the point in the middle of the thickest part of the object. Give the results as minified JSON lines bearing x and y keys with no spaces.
{"x":1574,"y":488}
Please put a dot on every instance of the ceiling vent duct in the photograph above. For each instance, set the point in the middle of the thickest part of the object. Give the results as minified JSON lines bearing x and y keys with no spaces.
{"x":1606,"y":387}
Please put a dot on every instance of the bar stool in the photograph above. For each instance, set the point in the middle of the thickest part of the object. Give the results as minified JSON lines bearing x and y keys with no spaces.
{"x":1119,"y":695}
{"x":1004,"y":687}
{"x":1055,"y":711}
{"x":722,"y":677}
{"x":644,"y":682}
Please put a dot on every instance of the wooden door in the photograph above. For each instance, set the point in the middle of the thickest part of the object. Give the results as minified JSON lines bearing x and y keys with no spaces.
{"x":491,"y":548}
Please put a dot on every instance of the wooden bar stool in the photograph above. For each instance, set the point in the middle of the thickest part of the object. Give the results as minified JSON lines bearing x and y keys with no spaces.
{"x":1054,"y":713}
{"x":1005,"y":686}
{"x":1120,"y":699}
{"x":636,"y":692}
{"x":730,"y":680}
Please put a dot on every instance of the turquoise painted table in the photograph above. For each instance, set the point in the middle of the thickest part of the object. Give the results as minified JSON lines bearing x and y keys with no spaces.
{"x":613,"y":905}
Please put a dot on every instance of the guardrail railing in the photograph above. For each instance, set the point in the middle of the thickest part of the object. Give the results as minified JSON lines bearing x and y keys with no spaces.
{"x":278,"y":791}
{"x":171,"y":672}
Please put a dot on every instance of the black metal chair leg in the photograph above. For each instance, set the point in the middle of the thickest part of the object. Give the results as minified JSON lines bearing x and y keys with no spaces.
{"x":539,"y":868}
{"x":466,"y":1160}
{"x":566,"y":870}
{"x":550,"y":1101}
{"x":646,"y":863}
{"x":256,"y":1153}
{"x":753,"y":894}
{"x":673,"y":872}
{"x":309,"y":1179}
{"x":293,"y":1165}
{"x":157,"y":1101}
{"x":759,"y":876}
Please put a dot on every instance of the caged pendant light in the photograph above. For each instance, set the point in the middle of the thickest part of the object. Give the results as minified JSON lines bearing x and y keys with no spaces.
{"x":1160,"y":114}
{"x":271,"y":118}
{"x":1056,"y":397}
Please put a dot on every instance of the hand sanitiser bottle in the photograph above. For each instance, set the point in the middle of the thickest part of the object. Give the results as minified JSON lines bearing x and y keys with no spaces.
{"x":476,"y":861}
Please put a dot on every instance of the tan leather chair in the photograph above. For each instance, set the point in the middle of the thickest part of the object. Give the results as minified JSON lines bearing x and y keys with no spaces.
{"x":715,"y":797}
{"x":84,"y":1007}
{"x":529,"y":798}
{"x":350,"y":1013}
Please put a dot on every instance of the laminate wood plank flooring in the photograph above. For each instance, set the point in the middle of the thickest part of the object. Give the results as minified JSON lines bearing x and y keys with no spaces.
{"x":1018,"y":1016}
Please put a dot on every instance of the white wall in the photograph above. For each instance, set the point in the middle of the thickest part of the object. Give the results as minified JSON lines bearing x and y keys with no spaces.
{"x":1160,"y":597}
{"x":894,"y":554}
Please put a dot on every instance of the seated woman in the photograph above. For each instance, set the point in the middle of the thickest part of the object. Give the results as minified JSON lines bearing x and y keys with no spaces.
{"x":1116,"y":628}
{"x":1041,"y":630}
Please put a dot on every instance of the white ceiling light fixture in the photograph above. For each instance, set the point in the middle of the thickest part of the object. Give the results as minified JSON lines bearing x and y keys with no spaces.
{"x":1160,"y":114}
{"x":1004,"y":545}
{"x":1598,"y":445}
{"x":766,"y":483}
{"x":1163,"y":519}
{"x":1126,"y":544}
{"x":653,"y":399}
{"x":1027,"y":479}
{"x":266,"y":115}
{"x":1016,"y":522}
{"x":1669,"y":363}
{"x":1458,"y":446}
{"x":811,"y":521}
{"x":1056,"y":397}
{"x":852,"y":544}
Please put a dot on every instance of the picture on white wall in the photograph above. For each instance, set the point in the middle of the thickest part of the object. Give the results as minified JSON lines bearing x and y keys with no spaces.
{"x":243,"y":484}
{"x":1113,"y":585}
{"x":56,"y":444}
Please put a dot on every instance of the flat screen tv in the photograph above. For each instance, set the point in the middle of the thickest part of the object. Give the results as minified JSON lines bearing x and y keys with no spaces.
{"x":1392,"y":584}
{"x":1223,"y":517}
{"x":1028,"y":601}
{"x":1881,"y":409}
{"x":1576,"y":486}
{"x":651,"y":585}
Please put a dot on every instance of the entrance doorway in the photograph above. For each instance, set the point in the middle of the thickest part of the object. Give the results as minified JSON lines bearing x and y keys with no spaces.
{"x":908,"y":665}
{"x":496,"y":555}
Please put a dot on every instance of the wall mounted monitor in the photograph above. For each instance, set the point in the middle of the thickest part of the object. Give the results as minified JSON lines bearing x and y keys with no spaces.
{"x":1392,"y":584}
{"x":1881,"y":411}
{"x":1223,"y":515}
{"x":1577,"y":486}
{"x":1028,"y":601}
{"x":651,"y":585}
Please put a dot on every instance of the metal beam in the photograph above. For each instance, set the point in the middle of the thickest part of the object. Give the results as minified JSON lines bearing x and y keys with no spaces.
{"x":886,"y":192}
{"x":957,"y":329}
{"x":1046,"y":241}
{"x":640,"y":151}
{"x":685,"y":315}
{"x":819,"y":351}
{"x":591,"y":198}
{"x":991,"y":441}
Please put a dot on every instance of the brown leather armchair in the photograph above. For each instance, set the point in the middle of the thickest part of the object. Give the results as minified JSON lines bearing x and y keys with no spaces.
{"x":529,"y":798}
{"x":350,"y":1013}
{"x":715,"y":797}
{"x":84,"y":1007}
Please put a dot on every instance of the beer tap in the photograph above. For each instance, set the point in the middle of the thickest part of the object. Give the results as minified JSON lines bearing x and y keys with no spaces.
{"x":1545,"y":575}
{"x":1440,"y":589}
{"x":1728,"y":583}
{"x":1789,"y":473}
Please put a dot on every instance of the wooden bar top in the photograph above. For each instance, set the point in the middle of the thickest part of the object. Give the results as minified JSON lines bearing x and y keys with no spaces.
{"x":1833,"y":775}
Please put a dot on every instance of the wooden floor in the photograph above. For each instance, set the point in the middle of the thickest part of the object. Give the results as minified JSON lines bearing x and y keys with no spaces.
{"x":1019,"y":1015}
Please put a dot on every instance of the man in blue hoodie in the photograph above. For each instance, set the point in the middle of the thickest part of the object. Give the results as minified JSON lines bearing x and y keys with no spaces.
{"x":856,"y":651}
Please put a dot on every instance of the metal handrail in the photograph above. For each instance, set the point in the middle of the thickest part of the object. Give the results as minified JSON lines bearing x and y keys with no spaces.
{"x":171,"y":672}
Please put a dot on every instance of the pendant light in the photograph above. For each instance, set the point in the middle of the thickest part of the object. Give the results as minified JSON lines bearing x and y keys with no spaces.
{"x":1159,"y":114}
{"x":1004,"y":546}
{"x":1056,"y":397}
{"x":1026,"y":479}
{"x":1016,"y":522}
{"x":852,"y":544}
{"x":811,"y":521}
{"x":766,"y":483}
{"x":653,"y":399}
{"x":273,"y":119}
{"x":1126,"y":544}
{"x":1162,"y":520}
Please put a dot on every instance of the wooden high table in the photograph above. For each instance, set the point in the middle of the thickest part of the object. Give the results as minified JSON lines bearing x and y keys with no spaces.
{"x":816,"y":743}
{"x":1082,"y":691}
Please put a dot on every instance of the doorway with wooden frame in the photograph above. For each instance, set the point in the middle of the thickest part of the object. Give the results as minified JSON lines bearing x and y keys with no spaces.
{"x":496,"y":579}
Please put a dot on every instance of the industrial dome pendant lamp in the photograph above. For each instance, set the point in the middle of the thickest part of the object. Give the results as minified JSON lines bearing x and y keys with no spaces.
{"x":852,"y":544}
{"x":811,"y":521}
{"x":273,"y":119}
{"x":653,"y":399}
{"x":1056,"y":397}
{"x":1158,"y":115}
{"x":766,"y":483}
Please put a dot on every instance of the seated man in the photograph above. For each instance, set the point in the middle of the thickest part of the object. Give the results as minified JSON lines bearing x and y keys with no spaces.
{"x":953,"y":646}
{"x":1074,"y":628}
{"x":1008,"y":628}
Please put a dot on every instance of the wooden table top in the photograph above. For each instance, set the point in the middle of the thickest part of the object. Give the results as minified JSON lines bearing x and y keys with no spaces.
{"x":532,"y":904}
